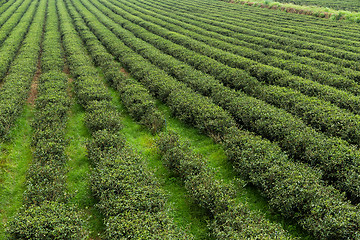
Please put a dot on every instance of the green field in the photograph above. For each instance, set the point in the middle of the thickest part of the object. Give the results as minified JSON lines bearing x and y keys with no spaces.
{"x":177,"y":119}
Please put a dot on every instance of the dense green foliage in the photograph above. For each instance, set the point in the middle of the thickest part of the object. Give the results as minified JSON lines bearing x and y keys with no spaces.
{"x":130,"y":198}
{"x":139,"y":103}
{"x":217,"y":123}
{"x":51,"y":220}
{"x":44,"y":214}
{"x":11,"y":17}
{"x":279,"y":93}
{"x":18,"y":78}
{"x":213,"y":195}
{"x":296,"y":103}
{"x":294,"y":136}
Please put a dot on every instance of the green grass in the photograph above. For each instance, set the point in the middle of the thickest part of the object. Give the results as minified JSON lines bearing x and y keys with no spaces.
{"x":79,"y":170}
{"x":15,"y":157}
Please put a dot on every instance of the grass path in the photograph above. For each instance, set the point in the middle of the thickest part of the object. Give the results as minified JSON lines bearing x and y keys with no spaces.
{"x":15,"y":157}
{"x":79,"y":169}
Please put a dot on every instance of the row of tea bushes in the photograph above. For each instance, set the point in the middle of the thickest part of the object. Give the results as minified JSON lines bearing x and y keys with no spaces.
{"x":137,"y":100}
{"x":237,"y":47}
{"x":166,"y":11}
{"x":130,"y":198}
{"x":224,"y":225}
{"x":314,"y":111}
{"x":45,"y":213}
{"x":17,"y":82}
{"x":229,"y":218}
{"x":14,"y":35}
{"x":201,"y":113}
{"x":11,"y":17}
{"x":302,"y":142}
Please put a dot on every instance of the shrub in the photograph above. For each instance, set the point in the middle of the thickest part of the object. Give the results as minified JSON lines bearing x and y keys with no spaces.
{"x":51,"y":220}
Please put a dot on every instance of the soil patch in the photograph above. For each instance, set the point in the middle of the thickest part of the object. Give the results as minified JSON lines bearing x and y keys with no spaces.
{"x":66,"y":69}
{"x":123,"y":70}
{"x":34,"y":86}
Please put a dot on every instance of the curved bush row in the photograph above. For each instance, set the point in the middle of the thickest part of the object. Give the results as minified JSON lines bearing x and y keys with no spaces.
{"x":229,"y":219}
{"x":224,"y":218}
{"x":300,"y":141}
{"x":185,"y":20}
{"x":45,"y":214}
{"x":310,"y":68}
{"x":138,"y":101}
{"x":17,"y":82}
{"x":236,"y":32}
{"x":5,"y":5}
{"x":199,"y":112}
{"x":234,"y":226}
{"x":316,"y":28}
{"x":258,"y":14}
{"x":12,"y":43}
{"x":6,"y":20}
{"x":315,"y":112}
{"x":237,"y":47}
{"x":132,"y":202}
{"x":222,"y":230}
{"x":264,"y":73}
{"x":343,"y":48}
{"x":231,"y":12}
{"x":155,"y":80}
